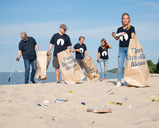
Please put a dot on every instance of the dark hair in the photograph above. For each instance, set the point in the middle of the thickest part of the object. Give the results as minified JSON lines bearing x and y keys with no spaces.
{"x":81,"y":37}
{"x":105,"y":44}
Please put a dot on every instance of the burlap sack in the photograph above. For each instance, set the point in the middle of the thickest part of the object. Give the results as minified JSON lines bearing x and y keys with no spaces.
{"x":42,"y":64}
{"x":136,"y":68}
{"x":70,"y":68}
{"x":90,"y":69}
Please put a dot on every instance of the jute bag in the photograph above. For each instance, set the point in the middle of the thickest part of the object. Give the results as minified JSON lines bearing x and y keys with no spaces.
{"x":42,"y":64}
{"x":70,"y":68}
{"x":90,"y":69}
{"x":136,"y":68}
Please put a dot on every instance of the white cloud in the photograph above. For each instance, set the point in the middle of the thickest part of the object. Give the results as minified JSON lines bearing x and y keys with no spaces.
{"x":145,"y":30}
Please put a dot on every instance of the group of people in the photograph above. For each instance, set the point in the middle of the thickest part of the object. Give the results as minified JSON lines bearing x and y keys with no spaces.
{"x":61,"y":42}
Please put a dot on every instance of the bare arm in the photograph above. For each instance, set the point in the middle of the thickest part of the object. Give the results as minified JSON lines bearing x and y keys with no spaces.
{"x":113,"y":34}
{"x":69,"y":48}
{"x":19,"y":55}
{"x":50,"y":48}
{"x":109,"y":44}
{"x":87,"y":53}
{"x":37,"y":48}
{"x":74,"y":50}
{"x":98,"y":57}
{"x":133,"y":35}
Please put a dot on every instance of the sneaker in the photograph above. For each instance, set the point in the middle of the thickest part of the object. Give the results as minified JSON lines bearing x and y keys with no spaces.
{"x":33,"y":82}
{"x":57,"y":82}
{"x":118,"y":84}
{"x":26,"y":83}
{"x":63,"y":82}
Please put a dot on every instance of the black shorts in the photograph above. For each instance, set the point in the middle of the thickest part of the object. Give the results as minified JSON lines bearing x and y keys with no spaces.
{"x":80,"y":62}
{"x":55,"y":62}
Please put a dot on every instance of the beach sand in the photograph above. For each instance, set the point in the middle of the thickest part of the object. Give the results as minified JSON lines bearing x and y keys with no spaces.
{"x":19,"y":105}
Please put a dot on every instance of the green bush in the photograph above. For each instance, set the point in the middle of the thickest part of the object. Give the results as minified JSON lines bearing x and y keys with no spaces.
{"x":157,"y":67}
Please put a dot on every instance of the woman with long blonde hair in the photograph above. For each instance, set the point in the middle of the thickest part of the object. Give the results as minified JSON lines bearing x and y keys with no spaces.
{"x":124,"y":34}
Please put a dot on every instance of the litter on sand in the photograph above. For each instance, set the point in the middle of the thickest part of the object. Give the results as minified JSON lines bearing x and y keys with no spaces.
{"x":54,"y":118}
{"x":72,"y":92}
{"x":154,"y":98}
{"x":83,"y":103}
{"x":117,"y":103}
{"x":93,"y":123}
{"x":102,"y":110}
{"x":110,"y":92}
{"x":45,"y":102}
{"x":61,"y":100}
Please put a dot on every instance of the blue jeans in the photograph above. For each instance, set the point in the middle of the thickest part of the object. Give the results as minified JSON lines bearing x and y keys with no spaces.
{"x":27,"y":64}
{"x":103,"y":66}
{"x":121,"y":59}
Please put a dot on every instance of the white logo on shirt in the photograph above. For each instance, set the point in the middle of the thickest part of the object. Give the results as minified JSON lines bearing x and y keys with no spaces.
{"x":60,"y":42}
{"x":81,"y":50}
{"x":121,"y":35}
{"x":104,"y":53}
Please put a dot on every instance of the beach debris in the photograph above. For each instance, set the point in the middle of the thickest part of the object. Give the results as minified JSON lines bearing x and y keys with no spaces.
{"x":61,"y":100}
{"x":154,"y":98}
{"x":27,"y":106}
{"x":129,"y":106}
{"x":102,"y":110}
{"x":76,"y":110}
{"x":117,"y":103}
{"x":110,"y":92}
{"x":93,"y":123}
{"x":83,"y":103}
{"x":82,"y":108}
{"x":72,"y":92}
{"x":45,"y":102}
{"x":39,"y":104}
{"x":54,"y":118}
{"x":125,"y":99}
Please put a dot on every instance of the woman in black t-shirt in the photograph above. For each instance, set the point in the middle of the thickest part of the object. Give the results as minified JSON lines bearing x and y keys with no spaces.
{"x":103,"y":57}
{"x":124,"y":34}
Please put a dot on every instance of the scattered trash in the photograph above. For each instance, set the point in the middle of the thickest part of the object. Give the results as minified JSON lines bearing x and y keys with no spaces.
{"x":27,"y":106}
{"x":72,"y":92}
{"x":76,"y":110}
{"x":45,"y":102}
{"x":154,"y":98}
{"x":54,"y":118}
{"x":110,"y":92}
{"x":83,"y":103}
{"x":102,"y":110}
{"x":61,"y":100}
{"x":39,"y":104}
{"x":129,"y":106}
{"x":116,"y":103}
{"x":82,"y":108}
{"x":125,"y":99}
{"x":93,"y":123}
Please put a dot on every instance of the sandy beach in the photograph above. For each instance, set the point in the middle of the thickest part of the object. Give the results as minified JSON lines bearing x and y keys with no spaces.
{"x":19,"y":105}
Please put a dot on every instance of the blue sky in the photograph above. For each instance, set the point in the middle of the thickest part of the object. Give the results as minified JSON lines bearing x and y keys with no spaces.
{"x":94,"y":19}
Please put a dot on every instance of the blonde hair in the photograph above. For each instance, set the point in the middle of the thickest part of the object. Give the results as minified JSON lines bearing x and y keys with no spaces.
{"x":129,"y":26}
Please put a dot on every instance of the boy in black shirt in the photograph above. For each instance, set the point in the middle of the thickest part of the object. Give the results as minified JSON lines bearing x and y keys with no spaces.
{"x":80,"y":49}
